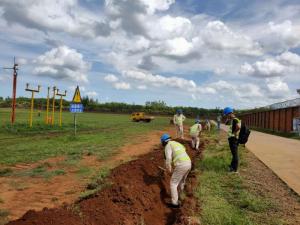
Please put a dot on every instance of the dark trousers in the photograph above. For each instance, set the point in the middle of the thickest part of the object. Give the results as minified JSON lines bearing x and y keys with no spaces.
{"x":234,"y":144}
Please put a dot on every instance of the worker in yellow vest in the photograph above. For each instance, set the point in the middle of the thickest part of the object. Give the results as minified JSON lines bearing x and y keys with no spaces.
{"x":234,"y":127}
{"x":176,"y":155}
{"x":178,"y":122}
{"x":195,"y":131}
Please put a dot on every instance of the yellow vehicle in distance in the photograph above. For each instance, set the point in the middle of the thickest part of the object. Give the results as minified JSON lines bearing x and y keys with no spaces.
{"x":140,"y":116}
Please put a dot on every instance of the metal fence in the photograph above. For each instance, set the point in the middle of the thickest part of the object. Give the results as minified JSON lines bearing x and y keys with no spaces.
{"x":282,"y":119}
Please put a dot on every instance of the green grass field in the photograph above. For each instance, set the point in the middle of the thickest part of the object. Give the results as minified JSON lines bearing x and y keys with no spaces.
{"x":98,"y":134}
{"x":225,"y":198}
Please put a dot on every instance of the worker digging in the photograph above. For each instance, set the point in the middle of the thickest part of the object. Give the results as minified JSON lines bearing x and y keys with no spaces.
{"x":175,"y":153}
{"x":195,"y":131}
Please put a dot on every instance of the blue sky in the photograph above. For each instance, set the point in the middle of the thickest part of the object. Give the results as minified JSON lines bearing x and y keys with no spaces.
{"x":186,"y":52}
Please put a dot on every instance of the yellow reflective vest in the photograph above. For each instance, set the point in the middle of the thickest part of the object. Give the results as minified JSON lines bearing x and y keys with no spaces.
{"x":194,"y":130}
{"x":178,"y":152}
{"x":230,"y":133}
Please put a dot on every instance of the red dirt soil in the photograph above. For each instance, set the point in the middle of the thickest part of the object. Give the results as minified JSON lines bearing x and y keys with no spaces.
{"x":138,"y":195}
{"x":21,"y":194}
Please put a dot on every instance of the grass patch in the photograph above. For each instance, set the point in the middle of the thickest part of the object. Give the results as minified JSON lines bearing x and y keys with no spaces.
{"x":225,"y":198}
{"x":84,"y":171}
{"x":4,"y":213}
{"x":44,"y":170}
{"x":5,"y":172}
{"x":98,"y":134}
{"x":96,"y":184}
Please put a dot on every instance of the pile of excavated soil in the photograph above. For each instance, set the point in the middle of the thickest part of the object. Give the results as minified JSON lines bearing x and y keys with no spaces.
{"x":138,"y":194}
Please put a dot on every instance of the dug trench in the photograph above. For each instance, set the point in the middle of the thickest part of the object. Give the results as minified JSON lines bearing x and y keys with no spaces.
{"x":136,"y":192}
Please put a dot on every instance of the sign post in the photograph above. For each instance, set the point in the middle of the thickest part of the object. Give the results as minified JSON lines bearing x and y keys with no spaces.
{"x":47,"y":107}
{"x":76,"y":107}
{"x":60,"y":105}
{"x":53,"y":105}
{"x":32,"y":101}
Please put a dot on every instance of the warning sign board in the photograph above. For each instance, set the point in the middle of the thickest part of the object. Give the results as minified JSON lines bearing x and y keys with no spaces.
{"x":77,"y":96}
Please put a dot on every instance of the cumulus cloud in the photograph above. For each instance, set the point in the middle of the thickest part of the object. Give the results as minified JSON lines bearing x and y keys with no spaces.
{"x":62,"y":63}
{"x":220,"y":37}
{"x":158,"y":80}
{"x":122,"y":86}
{"x":111,"y":78}
{"x":277,"y":88}
{"x":157,"y":5}
{"x":61,"y":16}
{"x":286,"y":34}
{"x":91,"y":94}
{"x":147,"y":63}
{"x":279,"y":66}
{"x":169,"y":27}
{"x":142,"y":87}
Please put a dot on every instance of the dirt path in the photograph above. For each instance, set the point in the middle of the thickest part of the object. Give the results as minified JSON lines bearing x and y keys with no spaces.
{"x":281,"y":155}
{"x":138,"y":195}
{"x":261,"y":180}
{"x":20,"y":194}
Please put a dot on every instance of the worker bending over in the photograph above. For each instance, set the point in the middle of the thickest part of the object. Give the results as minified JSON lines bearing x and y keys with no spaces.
{"x":178,"y":121}
{"x":195,"y":131}
{"x":175,"y":154}
{"x":207,"y":124}
{"x":233,"y":135}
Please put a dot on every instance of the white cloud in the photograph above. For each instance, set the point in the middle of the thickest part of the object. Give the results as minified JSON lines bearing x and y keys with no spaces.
{"x":142,"y":87}
{"x":158,"y":80}
{"x":289,"y":59}
{"x":286,"y":33}
{"x":168,"y":27}
{"x":219,"y":71}
{"x":47,"y":15}
{"x":91,"y":94}
{"x":282,"y":65}
{"x":62,"y":63}
{"x":217,"y":35}
{"x":122,"y":86}
{"x":177,"y":47}
{"x":111,"y":78}
{"x":277,"y":88}
{"x":157,"y":5}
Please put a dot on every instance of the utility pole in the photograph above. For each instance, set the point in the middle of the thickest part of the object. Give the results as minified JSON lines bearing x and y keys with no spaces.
{"x":61,"y":104}
{"x":32,"y":101}
{"x":298,"y":125}
{"x":13,"y":105}
{"x":53,"y":105}
{"x":47,"y":107}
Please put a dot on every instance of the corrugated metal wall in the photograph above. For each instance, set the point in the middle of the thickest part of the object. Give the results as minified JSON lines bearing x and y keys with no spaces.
{"x":276,"y":120}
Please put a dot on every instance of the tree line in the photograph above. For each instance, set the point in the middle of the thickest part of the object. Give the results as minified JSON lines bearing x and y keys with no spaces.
{"x":92,"y":105}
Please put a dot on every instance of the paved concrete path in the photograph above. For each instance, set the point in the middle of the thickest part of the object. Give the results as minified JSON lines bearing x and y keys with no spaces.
{"x":282,"y":155}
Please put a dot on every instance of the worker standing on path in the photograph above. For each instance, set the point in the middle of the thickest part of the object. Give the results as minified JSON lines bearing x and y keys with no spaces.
{"x":195,"y":131}
{"x":178,"y":122}
{"x":233,"y":135}
{"x":219,"y":118}
{"x":175,"y":154}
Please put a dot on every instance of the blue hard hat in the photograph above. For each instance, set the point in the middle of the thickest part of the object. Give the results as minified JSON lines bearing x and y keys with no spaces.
{"x":164,"y":138}
{"x":179,"y":111}
{"x":227,"y":111}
